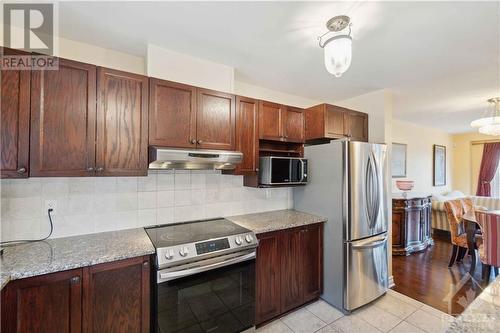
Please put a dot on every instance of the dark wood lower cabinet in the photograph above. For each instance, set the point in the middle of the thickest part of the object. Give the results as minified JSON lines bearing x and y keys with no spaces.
{"x":411,"y":225}
{"x":268,"y":275}
{"x":110,"y":297}
{"x":289,"y":270}
{"x":46,"y":303}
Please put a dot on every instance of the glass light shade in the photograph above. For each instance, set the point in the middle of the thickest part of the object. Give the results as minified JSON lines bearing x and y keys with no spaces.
{"x":491,"y":129}
{"x":338,"y":54}
{"x":486,"y":121}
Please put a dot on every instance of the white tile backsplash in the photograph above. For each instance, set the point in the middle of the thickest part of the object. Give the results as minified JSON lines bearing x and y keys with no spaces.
{"x":94,"y":204}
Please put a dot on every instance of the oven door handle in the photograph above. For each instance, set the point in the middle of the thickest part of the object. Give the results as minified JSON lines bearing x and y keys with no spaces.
{"x":191,"y":271}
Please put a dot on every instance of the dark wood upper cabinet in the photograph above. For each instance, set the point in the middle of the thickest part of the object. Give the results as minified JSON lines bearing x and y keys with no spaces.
{"x":15,"y":123}
{"x":116,"y":296}
{"x":279,"y":122}
{"x":215,"y":120}
{"x":268,"y":277}
{"x":172,"y":114}
{"x":46,"y":303}
{"x":122,"y":123}
{"x":270,"y":121}
{"x":247,"y":134}
{"x":325,"y":122}
{"x":293,"y":125}
{"x":334,"y":125}
{"x":63,"y":113}
{"x":356,"y":125}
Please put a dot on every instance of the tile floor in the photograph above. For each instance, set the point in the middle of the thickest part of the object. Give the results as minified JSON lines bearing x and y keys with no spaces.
{"x":394,"y":312}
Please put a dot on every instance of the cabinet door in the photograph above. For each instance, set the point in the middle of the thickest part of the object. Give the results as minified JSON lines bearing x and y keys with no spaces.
{"x":247,"y":136}
{"x":15,"y":123}
{"x":215,"y":120}
{"x":334,"y":122}
{"x":293,"y":125}
{"x":116,"y":296}
{"x":267,"y":284}
{"x":122,"y":123}
{"x":312,"y":261}
{"x":291,"y":269}
{"x":172,"y":114}
{"x":63,"y":120}
{"x":46,"y":303}
{"x":270,"y":121}
{"x":357,"y":126}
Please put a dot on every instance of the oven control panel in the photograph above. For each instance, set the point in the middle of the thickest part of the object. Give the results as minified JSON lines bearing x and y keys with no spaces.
{"x":211,"y":246}
{"x":175,"y":255}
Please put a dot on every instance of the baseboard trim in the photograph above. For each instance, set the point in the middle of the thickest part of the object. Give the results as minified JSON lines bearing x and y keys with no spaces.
{"x":391,"y":281}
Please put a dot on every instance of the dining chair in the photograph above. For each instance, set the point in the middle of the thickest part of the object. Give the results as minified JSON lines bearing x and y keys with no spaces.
{"x":489,"y":251}
{"x":455,"y":210}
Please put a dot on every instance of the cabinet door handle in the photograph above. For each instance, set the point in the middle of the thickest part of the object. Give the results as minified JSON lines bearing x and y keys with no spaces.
{"x":90,"y":169}
{"x":199,"y":141}
{"x":99,"y":169}
{"x":75,"y":280}
{"x":192,"y":141}
{"x":21,"y":170}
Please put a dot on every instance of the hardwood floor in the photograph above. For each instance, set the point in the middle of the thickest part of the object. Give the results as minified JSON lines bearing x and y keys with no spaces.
{"x":425,"y":276}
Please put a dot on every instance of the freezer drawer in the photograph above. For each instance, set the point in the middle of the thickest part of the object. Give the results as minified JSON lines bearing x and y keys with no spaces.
{"x":366,"y":271}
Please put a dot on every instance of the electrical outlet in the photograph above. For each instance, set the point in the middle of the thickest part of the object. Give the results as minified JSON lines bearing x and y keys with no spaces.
{"x":51,"y":204}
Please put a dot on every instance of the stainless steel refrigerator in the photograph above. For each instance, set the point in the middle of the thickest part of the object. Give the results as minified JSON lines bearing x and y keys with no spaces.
{"x":348,"y":184}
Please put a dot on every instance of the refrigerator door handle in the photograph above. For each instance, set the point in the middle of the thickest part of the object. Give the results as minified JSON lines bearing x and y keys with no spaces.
{"x":376,"y":171}
{"x":369,"y":192}
{"x":370,"y":243}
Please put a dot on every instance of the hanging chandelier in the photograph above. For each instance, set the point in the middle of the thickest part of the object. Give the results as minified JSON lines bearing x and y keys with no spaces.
{"x":338,"y":48}
{"x":490,"y":125}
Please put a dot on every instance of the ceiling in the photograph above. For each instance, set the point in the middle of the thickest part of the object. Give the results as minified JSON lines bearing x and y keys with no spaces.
{"x":441,"y":59}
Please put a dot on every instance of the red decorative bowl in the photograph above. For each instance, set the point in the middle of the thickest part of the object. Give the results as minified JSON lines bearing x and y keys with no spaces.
{"x":405,"y":185}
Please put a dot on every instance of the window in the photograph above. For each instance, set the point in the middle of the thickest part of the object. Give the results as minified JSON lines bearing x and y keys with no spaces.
{"x":495,"y":184}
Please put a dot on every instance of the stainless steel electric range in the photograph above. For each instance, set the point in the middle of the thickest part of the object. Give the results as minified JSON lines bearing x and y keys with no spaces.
{"x":204,"y":279}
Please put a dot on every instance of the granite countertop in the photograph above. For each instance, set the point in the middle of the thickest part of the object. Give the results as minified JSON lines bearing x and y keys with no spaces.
{"x":60,"y":254}
{"x":275,"y":220}
{"x":482,"y":315}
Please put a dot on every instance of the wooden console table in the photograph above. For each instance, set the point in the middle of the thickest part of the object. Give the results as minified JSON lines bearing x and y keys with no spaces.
{"x":411,"y":223}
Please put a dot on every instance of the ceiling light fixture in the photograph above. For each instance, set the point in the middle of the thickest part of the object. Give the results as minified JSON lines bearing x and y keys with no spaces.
{"x":338,"y":48}
{"x":490,"y":125}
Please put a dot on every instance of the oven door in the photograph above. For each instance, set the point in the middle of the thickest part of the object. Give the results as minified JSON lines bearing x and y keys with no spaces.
{"x":215,"y":295}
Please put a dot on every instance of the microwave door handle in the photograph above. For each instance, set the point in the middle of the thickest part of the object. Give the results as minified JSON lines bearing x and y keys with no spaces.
{"x":301,"y":170}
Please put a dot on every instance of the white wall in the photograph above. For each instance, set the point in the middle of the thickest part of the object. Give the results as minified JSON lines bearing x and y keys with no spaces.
{"x":95,"y":204}
{"x":170,"y":65}
{"x":249,"y":90}
{"x":378,"y":105}
{"x":100,"y":56}
{"x":420,"y":141}
{"x":70,"y":49}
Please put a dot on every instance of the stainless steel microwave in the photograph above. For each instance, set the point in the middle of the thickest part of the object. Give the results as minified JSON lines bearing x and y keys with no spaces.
{"x":277,"y":170}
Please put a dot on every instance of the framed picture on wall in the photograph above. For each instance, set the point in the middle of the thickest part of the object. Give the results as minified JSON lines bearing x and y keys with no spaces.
{"x":439,"y":168}
{"x":398,"y":160}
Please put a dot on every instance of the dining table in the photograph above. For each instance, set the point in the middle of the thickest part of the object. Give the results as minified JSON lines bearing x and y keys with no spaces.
{"x":471,"y":224}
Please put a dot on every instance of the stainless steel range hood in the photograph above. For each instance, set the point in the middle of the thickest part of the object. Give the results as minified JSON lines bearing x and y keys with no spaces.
{"x":193,"y":159}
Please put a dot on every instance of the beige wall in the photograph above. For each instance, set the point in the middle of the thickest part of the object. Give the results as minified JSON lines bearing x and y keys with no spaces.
{"x":420,"y":141}
{"x":466,"y":160}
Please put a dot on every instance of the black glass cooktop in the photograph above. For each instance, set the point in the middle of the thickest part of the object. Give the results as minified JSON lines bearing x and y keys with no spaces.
{"x":182,"y":233}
